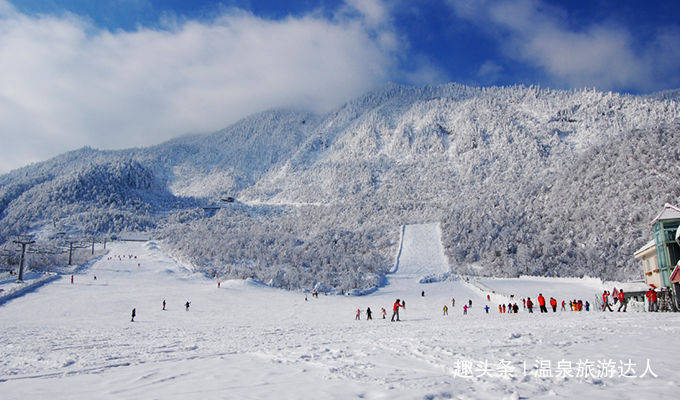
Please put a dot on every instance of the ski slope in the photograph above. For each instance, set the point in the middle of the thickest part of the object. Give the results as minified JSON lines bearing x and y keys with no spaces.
{"x":247,"y":341}
{"x":422,"y":251}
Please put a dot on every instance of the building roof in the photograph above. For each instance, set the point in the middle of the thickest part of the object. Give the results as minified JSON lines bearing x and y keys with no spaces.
{"x":669,"y":212}
{"x":647,"y":246}
{"x":639,"y":286}
{"x":675,"y":276}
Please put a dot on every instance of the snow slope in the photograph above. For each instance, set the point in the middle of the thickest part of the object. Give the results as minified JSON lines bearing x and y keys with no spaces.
{"x":422,"y":251}
{"x":248,"y":341}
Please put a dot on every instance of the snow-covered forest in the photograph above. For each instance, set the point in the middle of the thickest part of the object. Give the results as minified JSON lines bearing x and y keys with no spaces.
{"x":523,"y":179}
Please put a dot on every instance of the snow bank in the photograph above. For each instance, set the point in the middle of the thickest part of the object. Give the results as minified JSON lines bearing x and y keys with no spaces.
{"x":22,"y":289}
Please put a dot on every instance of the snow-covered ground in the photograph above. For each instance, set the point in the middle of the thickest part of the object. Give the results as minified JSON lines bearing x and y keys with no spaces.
{"x":245,"y":341}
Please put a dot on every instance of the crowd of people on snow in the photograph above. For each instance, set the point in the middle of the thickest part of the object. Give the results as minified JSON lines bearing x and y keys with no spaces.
{"x":617,"y":295}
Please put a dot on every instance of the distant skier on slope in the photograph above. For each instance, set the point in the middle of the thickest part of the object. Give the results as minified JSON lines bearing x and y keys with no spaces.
{"x":369,"y":314}
{"x":530,"y":305}
{"x":446,"y":310}
{"x":384,"y":313}
{"x":134,"y":313}
{"x":395,"y":309}
{"x":422,"y":294}
{"x":186,"y":305}
{"x":553,"y":304}
{"x":486,"y":308}
{"x":358,"y":315}
{"x":465,"y":308}
{"x":453,"y":302}
{"x":163,"y":304}
{"x":563,"y":305}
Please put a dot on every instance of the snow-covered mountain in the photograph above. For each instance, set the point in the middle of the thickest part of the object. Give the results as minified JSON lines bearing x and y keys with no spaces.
{"x":522,"y":179}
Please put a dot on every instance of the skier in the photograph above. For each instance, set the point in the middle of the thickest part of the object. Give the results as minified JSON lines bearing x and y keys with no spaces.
{"x":218,"y":284}
{"x":515,"y":308}
{"x":395,"y":309}
{"x":541,"y":303}
{"x":453,"y":302}
{"x":465,"y":308}
{"x":369,"y":314}
{"x":403,"y":303}
{"x":71,"y":279}
{"x":384,"y":312}
{"x":553,"y":304}
{"x":587,"y":305}
{"x":530,"y":305}
{"x":503,"y":308}
{"x":605,"y":301}
{"x":488,"y":297}
{"x":524,"y":302}
{"x":133,"y":315}
{"x":500,"y":309}
{"x":422,"y":294}
{"x":163,"y":304}
{"x":486,"y":308}
{"x":446,"y":310}
{"x":186,"y":305}
{"x":358,"y":316}
{"x":563,"y":304}
{"x":469,"y":303}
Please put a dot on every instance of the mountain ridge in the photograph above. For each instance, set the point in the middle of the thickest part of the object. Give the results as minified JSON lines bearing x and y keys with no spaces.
{"x":496,"y":165}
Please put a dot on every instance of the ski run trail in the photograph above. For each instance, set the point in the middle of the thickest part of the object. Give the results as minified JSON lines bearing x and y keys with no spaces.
{"x":248,"y":341}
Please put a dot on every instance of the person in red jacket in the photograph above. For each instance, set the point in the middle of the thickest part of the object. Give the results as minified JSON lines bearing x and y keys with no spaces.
{"x":553,"y":304}
{"x":622,"y":301}
{"x":541,"y":303}
{"x":530,"y":305}
{"x":605,"y":301}
{"x":652,"y":300}
{"x":395,"y":309}
{"x":563,"y":305}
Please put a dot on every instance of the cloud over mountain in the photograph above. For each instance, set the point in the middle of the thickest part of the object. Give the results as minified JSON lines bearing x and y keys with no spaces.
{"x":65,"y":83}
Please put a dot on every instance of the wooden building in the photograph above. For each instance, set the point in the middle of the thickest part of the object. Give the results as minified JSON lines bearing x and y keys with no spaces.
{"x":661,"y":256}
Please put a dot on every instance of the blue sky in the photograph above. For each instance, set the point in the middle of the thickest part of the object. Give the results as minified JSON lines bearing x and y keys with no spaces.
{"x":457,"y":46}
{"x":121,"y":73}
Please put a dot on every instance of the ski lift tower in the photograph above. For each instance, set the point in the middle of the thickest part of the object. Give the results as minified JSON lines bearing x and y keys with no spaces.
{"x":23,"y":241}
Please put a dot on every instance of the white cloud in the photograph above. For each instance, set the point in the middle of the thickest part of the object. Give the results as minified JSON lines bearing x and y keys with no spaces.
{"x":603,"y":55}
{"x":65,"y":83}
{"x":489,"y":71}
